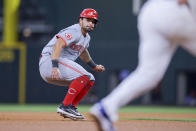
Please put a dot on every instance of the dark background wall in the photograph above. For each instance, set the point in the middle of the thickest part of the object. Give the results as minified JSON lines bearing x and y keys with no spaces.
{"x":114,"y":44}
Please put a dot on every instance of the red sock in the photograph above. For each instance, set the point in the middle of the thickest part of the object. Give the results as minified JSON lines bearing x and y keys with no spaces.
{"x":82,"y":93}
{"x":74,"y":89}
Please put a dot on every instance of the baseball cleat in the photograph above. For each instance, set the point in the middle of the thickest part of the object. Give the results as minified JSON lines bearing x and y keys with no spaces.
{"x":76,"y":111}
{"x":68,"y":112}
{"x":101,"y":118}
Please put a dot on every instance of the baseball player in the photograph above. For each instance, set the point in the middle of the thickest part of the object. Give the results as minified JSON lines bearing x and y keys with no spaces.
{"x":163,"y":26}
{"x":57,"y":64}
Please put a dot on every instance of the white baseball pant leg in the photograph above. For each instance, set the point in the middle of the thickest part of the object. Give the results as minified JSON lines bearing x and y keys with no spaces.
{"x":155,"y":53}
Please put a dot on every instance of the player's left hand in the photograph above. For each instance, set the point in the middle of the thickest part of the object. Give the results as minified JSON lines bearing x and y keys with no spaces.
{"x":55,"y":74}
{"x":99,"y":68}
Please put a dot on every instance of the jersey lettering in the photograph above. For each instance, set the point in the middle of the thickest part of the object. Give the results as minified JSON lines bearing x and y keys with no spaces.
{"x":79,"y":48}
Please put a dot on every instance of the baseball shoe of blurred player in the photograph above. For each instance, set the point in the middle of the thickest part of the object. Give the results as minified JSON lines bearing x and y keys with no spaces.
{"x":101,"y":117}
{"x":57,"y":62}
{"x":163,"y":26}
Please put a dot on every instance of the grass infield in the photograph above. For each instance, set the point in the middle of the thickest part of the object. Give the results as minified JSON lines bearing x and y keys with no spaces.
{"x":85,"y":108}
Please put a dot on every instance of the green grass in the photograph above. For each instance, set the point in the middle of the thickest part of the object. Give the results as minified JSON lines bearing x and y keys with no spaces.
{"x":27,"y":108}
{"x":85,"y":108}
{"x":158,"y":109}
{"x":160,"y":119}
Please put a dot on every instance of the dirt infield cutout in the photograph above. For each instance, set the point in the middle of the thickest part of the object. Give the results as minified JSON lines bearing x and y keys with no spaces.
{"x":51,"y":121}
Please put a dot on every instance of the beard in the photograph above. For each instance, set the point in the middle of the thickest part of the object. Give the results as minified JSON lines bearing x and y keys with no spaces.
{"x":87,"y":29}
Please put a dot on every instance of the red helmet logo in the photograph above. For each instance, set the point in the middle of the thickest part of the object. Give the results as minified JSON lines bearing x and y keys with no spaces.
{"x":89,"y":13}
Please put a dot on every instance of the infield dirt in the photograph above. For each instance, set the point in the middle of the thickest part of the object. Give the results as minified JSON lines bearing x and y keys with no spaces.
{"x":50,"y":121}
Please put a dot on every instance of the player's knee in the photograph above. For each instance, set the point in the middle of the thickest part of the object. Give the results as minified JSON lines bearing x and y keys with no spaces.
{"x":90,"y":77}
{"x":90,"y":81}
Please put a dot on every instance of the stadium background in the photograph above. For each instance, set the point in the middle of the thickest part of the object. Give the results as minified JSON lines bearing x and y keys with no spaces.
{"x":114,"y":44}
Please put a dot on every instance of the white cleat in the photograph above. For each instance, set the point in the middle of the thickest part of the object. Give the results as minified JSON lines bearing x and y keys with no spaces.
{"x":101,"y":118}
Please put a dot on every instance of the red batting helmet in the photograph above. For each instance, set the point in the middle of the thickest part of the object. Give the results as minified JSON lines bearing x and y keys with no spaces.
{"x":89,"y":13}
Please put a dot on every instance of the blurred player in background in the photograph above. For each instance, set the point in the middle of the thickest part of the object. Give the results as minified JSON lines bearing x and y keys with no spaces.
{"x":57,"y":64}
{"x":163,"y":26}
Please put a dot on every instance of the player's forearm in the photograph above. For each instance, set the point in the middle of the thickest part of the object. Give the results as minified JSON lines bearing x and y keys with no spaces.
{"x":58,"y":48}
{"x":55,"y":55}
{"x":85,"y":56}
{"x":56,"y":51}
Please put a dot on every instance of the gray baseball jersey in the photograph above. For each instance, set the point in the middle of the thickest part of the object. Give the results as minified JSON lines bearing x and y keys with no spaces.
{"x":74,"y":39}
{"x":69,"y":69}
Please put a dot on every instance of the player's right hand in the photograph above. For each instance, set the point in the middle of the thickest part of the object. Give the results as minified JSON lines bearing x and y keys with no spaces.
{"x":55,"y":75}
{"x":99,"y":68}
